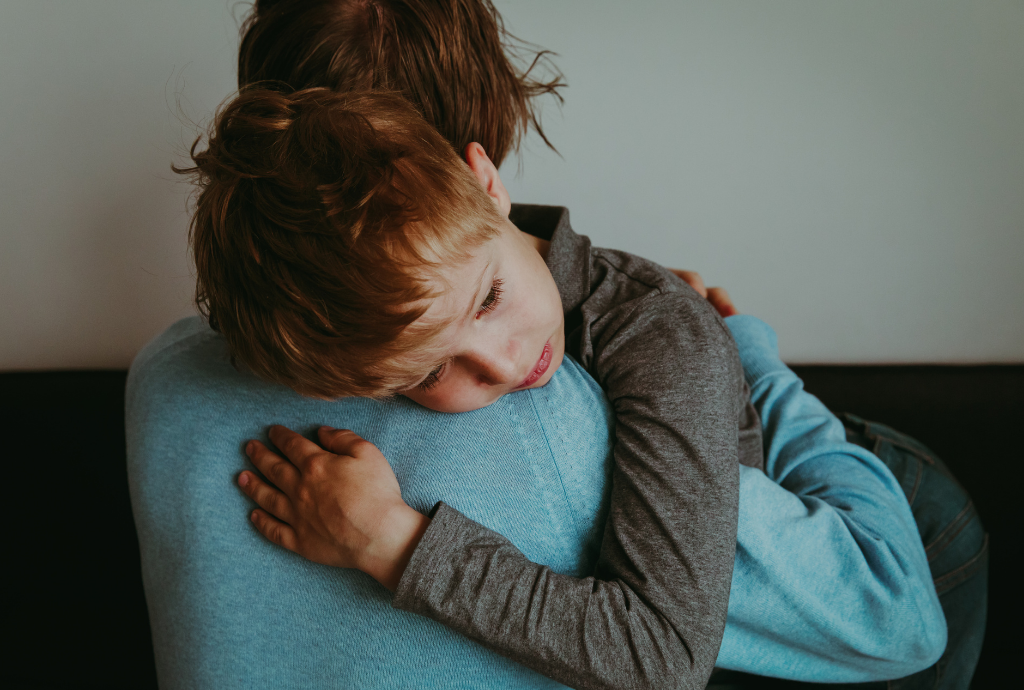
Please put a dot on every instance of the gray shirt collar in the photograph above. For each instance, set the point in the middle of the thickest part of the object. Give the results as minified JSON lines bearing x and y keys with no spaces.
{"x":569,"y":256}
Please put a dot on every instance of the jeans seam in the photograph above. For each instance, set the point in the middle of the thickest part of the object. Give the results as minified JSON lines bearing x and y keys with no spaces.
{"x":912,"y":494}
{"x":927,"y":457}
{"x":946,"y":537}
{"x":895,"y":439}
{"x":917,"y":484}
{"x":946,"y":582}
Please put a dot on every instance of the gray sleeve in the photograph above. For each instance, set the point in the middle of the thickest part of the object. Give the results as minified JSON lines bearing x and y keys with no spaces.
{"x":653,"y":614}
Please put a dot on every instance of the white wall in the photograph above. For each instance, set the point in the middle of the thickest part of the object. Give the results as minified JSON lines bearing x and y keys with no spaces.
{"x":852,"y":171}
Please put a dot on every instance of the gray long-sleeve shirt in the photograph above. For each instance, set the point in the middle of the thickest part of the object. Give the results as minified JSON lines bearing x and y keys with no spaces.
{"x":653,"y":613}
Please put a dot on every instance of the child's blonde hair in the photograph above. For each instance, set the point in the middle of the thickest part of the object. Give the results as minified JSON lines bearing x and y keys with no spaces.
{"x":319,"y":218}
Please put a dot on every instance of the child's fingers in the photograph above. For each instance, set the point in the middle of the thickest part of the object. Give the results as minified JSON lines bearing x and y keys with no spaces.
{"x":340,"y":441}
{"x":274,"y":530}
{"x":266,"y":496}
{"x":275,"y":468}
{"x":295,"y":446}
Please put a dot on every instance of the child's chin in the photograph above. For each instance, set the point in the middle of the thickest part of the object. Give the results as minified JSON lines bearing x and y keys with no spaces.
{"x":460,"y":407}
{"x":556,"y":364}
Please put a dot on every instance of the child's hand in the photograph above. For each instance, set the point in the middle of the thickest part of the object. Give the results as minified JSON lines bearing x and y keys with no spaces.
{"x":718,"y":297}
{"x":340,"y":506}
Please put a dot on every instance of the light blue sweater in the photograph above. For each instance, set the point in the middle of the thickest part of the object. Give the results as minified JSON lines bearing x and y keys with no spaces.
{"x":831,"y":580}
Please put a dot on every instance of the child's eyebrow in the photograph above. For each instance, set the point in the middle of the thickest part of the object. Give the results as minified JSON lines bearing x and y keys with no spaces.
{"x":476,"y":295}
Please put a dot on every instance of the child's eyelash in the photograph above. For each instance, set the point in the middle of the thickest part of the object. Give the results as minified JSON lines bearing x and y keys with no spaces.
{"x":493,"y":298}
{"x":432,"y":378}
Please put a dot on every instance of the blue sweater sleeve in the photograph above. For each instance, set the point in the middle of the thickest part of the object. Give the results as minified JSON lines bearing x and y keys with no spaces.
{"x":831,"y":582}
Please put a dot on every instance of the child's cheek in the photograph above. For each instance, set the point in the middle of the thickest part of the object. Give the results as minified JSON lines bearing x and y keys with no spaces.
{"x":452,"y":396}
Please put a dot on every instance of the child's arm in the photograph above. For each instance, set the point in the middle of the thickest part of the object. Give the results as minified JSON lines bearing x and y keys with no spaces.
{"x":654,"y":612}
{"x":831,"y":580}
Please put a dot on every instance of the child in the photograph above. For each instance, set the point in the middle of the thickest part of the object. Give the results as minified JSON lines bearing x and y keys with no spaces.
{"x":343,"y":248}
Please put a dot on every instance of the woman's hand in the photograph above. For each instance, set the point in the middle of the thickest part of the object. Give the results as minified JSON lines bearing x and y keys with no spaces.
{"x":340,"y":506}
{"x":693,"y":279}
{"x":718,"y":297}
{"x":721,"y":301}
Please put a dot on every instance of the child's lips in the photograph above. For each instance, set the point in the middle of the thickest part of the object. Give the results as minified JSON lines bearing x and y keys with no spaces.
{"x":539,"y":368}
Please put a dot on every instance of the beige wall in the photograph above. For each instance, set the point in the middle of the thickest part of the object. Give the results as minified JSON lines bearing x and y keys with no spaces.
{"x":852,"y":171}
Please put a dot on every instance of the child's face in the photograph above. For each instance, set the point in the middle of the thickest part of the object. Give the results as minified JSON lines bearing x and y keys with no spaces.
{"x":506,"y":330}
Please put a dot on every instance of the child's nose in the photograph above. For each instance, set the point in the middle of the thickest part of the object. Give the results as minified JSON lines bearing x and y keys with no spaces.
{"x":497,"y":370}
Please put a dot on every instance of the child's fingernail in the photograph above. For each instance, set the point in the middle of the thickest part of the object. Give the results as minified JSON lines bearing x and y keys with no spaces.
{"x":326,"y":428}
{"x":252,"y":516}
{"x":243,"y":479}
{"x":248,"y":448}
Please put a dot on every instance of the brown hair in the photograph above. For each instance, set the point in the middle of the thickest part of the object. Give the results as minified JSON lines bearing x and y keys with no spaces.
{"x":452,"y":59}
{"x":318,"y":220}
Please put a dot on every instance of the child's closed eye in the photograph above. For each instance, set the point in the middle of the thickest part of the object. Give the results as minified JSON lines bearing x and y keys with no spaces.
{"x":489,"y":304}
{"x":493,"y":298}
{"x":432,"y":378}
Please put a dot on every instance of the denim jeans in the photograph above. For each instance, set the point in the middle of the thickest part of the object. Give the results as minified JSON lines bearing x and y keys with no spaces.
{"x":957,"y":548}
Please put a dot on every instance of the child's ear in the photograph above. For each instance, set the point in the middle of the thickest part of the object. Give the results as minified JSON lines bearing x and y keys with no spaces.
{"x":485,"y":171}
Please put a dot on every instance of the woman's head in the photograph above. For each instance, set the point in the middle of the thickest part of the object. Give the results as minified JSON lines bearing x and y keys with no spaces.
{"x":447,"y":57}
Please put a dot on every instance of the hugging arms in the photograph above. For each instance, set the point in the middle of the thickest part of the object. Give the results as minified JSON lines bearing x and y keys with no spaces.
{"x":229,"y":609}
{"x":836,"y":499}
{"x":628,"y":322}
{"x":786,"y":668}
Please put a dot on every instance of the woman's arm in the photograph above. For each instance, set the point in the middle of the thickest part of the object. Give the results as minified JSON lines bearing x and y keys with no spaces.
{"x":831,"y":580}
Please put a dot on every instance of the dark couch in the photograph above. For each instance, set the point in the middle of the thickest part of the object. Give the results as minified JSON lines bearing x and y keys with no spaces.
{"x":75,"y":602}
